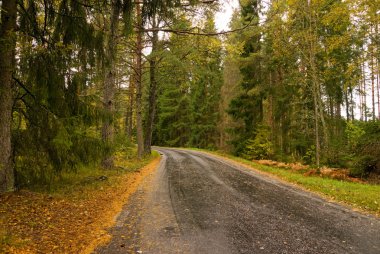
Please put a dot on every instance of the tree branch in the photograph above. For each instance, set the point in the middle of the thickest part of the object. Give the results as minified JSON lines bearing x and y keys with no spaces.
{"x":189,"y":32}
{"x":32,"y":95}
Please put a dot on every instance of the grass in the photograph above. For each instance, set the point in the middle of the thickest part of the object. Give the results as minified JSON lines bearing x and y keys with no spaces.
{"x":362,"y":196}
{"x":91,"y":177}
{"x":71,"y":217}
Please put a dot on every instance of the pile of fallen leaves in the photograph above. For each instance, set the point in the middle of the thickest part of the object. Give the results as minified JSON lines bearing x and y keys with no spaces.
{"x":334,"y":173}
{"x":41,"y":223}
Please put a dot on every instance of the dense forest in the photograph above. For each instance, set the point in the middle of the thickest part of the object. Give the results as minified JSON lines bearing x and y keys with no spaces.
{"x":292,"y":80}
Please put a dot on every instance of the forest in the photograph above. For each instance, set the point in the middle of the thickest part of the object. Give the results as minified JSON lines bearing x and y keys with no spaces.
{"x":290,"y":81}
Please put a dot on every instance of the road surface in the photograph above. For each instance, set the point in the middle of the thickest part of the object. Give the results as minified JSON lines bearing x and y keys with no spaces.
{"x":198,"y":203}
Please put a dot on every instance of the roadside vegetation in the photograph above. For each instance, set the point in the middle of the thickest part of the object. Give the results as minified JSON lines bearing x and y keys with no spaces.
{"x":359,"y":195}
{"x":72,"y":216}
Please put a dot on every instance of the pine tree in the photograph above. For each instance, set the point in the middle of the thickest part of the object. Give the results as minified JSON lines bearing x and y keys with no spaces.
{"x":248,"y":106}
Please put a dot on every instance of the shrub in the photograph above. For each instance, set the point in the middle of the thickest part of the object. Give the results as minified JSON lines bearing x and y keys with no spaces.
{"x":363,"y":166}
{"x":259,"y":147}
{"x":366,"y":149}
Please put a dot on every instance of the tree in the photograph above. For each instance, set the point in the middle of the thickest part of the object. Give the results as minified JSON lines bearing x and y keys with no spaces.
{"x":152,"y":100}
{"x":138,"y":82}
{"x":189,"y":101}
{"x":248,"y":106}
{"x":110,"y":81}
{"x":7,"y":66}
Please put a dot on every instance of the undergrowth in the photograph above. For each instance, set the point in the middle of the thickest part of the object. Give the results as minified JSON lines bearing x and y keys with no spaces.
{"x":94,"y":177}
{"x":86,"y":202}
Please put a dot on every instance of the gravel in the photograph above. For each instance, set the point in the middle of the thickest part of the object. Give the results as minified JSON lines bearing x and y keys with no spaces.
{"x":198,"y":203}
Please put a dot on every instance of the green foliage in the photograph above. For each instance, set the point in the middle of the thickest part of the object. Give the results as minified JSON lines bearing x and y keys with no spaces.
{"x":309,"y":157}
{"x":189,"y":96}
{"x":363,"y":165}
{"x":55,"y":115}
{"x":366,"y":148}
{"x":247,"y":107}
{"x":260,"y":147}
{"x":354,"y":133}
{"x":300,"y":68}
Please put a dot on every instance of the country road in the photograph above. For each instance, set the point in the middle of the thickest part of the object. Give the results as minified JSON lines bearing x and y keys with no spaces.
{"x":198,"y":203}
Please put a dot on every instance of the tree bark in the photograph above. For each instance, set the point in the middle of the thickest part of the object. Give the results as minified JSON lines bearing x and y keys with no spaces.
{"x":364,"y":94}
{"x":110,"y":84}
{"x":316,"y":122}
{"x":315,"y":88}
{"x":378,"y":90}
{"x":361,"y":95}
{"x":378,"y":76}
{"x":139,"y":46}
{"x":7,"y":63}
{"x":373,"y":82}
{"x":352,"y":103}
{"x":347,"y":106}
{"x":152,"y":94}
{"x":129,"y":116}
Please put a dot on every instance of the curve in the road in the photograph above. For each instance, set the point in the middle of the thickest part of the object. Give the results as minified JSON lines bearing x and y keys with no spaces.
{"x":198,"y":203}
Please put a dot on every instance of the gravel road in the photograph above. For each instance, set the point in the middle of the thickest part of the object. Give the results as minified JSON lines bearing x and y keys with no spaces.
{"x":198,"y":203}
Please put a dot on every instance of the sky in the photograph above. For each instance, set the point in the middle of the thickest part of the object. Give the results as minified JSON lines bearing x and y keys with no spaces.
{"x":223,"y":17}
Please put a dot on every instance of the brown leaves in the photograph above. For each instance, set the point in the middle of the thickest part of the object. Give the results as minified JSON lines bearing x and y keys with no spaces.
{"x":39,"y":223}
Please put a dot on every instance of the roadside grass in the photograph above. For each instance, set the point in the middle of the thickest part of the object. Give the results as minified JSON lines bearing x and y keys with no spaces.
{"x":88,"y":178}
{"x":361,"y":196}
{"x":73,"y":215}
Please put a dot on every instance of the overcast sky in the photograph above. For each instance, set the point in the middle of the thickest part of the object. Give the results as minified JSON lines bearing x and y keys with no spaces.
{"x":223,"y":17}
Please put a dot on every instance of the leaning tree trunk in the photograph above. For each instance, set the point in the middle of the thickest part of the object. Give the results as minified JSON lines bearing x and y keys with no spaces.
{"x":7,"y":62}
{"x":152,"y":94}
{"x":138,"y":69}
{"x":109,"y":84}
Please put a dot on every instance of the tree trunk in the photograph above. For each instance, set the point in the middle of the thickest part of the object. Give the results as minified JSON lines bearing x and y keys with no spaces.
{"x":129,"y":116}
{"x":315,"y":87}
{"x":110,"y":84}
{"x":352,"y":103}
{"x":361,"y":97}
{"x":378,"y":90}
{"x":152,"y":94}
{"x":373,"y":83}
{"x":364,"y":106}
{"x":347,"y":106}
{"x":378,"y":76}
{"x":139,"y":46}
{"x":7,"y":62}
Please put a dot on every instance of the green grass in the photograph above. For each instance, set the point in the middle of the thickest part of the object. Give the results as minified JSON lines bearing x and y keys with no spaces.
{"x":89,"y":177}
{"x":365,"y":197}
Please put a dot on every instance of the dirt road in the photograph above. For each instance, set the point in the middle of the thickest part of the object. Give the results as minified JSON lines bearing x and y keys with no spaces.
{"x":197,"y":203}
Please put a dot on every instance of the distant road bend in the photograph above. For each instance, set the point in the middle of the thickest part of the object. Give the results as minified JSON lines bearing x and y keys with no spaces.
{"x":198,"y":203}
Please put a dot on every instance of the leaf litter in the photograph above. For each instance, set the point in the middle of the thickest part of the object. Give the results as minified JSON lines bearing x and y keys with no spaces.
{"x":33,"y":222}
